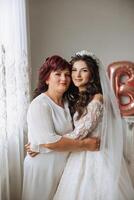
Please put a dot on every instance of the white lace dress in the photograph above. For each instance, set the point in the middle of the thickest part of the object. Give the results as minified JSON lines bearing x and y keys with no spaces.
{"x":82,"y":176}
{"x":80,"y":179}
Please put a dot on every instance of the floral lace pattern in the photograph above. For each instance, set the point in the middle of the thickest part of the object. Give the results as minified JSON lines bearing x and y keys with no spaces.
{"x":88,"y":122}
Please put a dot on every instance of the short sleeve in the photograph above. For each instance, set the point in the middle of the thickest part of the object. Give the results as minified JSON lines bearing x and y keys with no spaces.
{"x":40,"y":124}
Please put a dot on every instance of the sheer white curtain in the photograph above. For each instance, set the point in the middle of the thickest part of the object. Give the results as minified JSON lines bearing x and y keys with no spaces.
{"x":14,"y":95}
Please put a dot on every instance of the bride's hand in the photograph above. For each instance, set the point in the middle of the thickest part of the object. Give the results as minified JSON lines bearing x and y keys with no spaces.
{"x":29,"y":151}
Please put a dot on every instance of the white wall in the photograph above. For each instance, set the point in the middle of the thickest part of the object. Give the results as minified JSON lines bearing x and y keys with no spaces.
{"x":63,"y":27}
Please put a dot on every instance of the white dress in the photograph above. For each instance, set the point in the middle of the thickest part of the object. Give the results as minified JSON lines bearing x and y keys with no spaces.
{"x":81,"y":179}
{"x":47,"y":122}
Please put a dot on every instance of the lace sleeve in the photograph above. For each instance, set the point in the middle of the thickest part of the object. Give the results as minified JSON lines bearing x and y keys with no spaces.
{"x":86,"y":124}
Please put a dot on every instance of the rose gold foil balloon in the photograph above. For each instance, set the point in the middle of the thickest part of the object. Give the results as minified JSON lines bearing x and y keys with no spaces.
{"x":121,"y":75}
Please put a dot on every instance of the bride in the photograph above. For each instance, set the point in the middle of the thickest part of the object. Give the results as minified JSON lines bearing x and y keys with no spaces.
{"x":102,"y":174}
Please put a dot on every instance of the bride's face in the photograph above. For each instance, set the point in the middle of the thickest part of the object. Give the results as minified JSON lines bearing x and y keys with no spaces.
{"x":81,"y":75}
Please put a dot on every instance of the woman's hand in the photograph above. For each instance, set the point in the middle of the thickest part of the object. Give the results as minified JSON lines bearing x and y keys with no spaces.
{"x":29,"y":151}
{"x":73,"y":145}
{"x":92,"y":143}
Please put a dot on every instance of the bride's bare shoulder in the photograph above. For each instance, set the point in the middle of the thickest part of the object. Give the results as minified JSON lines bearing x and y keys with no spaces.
{"x":98,"y":97}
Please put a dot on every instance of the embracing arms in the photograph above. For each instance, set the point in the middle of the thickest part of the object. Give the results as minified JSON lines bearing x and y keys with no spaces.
{"x":50,"y":140}
{"x":66,"y":144}
{"x":85,"y":126}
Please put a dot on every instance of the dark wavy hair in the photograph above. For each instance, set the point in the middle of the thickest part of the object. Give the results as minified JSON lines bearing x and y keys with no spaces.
{"x":52,"y":63}
{"x":78,"y":101}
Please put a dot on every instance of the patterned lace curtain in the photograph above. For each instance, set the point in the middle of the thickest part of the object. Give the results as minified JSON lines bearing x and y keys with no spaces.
{"x":14,"y":96}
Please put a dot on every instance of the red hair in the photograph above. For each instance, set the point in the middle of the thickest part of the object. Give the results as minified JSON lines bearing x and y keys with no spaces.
{"x":52,"y":63}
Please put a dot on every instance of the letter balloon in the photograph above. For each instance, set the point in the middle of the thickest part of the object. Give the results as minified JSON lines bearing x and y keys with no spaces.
{"x":121,"y":76}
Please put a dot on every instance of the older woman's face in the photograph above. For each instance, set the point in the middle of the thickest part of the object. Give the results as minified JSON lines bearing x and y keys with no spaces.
{"x":81,"y":75}
{"x":59,"y":80}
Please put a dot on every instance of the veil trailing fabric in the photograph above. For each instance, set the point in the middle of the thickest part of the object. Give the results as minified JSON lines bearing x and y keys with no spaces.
{"x":118,"y":186}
